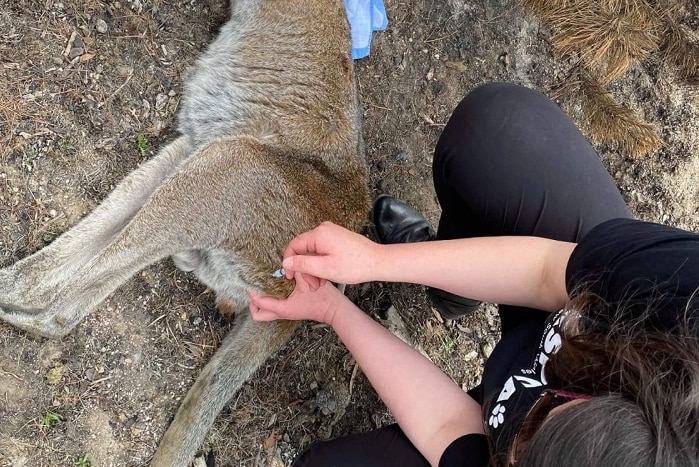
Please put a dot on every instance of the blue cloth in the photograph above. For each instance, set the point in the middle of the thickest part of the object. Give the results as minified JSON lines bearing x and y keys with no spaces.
{"x":365,"y":17}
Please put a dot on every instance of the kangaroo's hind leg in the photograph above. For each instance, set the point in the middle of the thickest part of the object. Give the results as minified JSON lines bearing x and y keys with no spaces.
{"x":182,"y":215}
{"x":31,"y":284}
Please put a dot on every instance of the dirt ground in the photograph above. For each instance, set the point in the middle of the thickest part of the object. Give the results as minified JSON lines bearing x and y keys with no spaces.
{"x":88,"y":90}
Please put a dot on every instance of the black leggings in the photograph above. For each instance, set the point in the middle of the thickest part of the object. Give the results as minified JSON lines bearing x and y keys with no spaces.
{"x":509,"y":162}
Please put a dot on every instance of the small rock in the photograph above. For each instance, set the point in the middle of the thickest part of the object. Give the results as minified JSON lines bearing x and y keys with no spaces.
{"x":470,"y":356}
{"x":123,"y":71}
{"x":402,"y":156}
{"x":136,"y":6}
{"x":101,"y":26}
{"x":75,"y":52}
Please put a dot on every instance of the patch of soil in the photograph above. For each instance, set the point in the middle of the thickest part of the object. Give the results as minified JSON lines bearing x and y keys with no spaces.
{"x":71,"y":112}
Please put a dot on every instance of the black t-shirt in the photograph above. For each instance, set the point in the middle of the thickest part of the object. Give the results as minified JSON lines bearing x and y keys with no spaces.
{"x":623,"y":261}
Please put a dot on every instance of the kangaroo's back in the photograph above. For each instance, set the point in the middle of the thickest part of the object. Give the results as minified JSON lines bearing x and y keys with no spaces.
{"x":281,"y":68}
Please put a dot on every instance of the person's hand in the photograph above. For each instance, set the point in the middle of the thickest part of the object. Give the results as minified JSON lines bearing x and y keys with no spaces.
{"x":303,"y":303}
{"x":331,"y":252}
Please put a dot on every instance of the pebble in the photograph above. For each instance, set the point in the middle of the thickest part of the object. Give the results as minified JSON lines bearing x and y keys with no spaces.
{"x":470,"y":356}
{"x":101,"y":26}
{"x":75,"y":52}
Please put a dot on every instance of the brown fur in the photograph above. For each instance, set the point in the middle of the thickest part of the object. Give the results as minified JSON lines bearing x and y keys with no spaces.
{"x":270,"y":146}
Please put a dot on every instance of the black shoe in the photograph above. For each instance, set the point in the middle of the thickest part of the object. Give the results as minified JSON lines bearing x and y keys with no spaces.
{"x":451,"y":306}
{"x":396,"y":222}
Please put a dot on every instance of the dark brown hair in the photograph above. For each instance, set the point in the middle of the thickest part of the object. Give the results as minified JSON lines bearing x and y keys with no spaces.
{"x":646,"y":386}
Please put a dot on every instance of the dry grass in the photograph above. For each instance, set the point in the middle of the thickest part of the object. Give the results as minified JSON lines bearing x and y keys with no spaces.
{"x":681,"y":52}
{"x":605,"y":38}
{"x":606,"y":121}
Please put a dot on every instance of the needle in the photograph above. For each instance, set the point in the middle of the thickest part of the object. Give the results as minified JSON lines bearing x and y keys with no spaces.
{"x":279,"y":273}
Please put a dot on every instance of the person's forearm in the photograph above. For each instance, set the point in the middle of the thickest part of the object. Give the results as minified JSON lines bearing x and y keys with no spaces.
{"x":430,"y":408}
{"x":524,"y":271}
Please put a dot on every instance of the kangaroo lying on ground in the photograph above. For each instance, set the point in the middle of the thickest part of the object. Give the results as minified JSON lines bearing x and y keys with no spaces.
{"x":270,"y":146}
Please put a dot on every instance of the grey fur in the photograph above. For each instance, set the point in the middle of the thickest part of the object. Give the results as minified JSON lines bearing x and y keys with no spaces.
{"x":270,"y":146}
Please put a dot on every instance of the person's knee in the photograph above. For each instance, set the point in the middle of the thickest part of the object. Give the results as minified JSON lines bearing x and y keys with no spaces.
{"x":482,"y":113}
{"x":494,"y":101}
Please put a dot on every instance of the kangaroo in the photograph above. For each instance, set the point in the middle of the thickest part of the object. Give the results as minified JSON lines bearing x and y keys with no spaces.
{"x":269,"y":146}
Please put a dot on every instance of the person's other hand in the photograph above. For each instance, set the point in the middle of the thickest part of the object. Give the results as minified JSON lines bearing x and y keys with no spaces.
{"x":331,"y":252}
{"x":303,"y":303}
